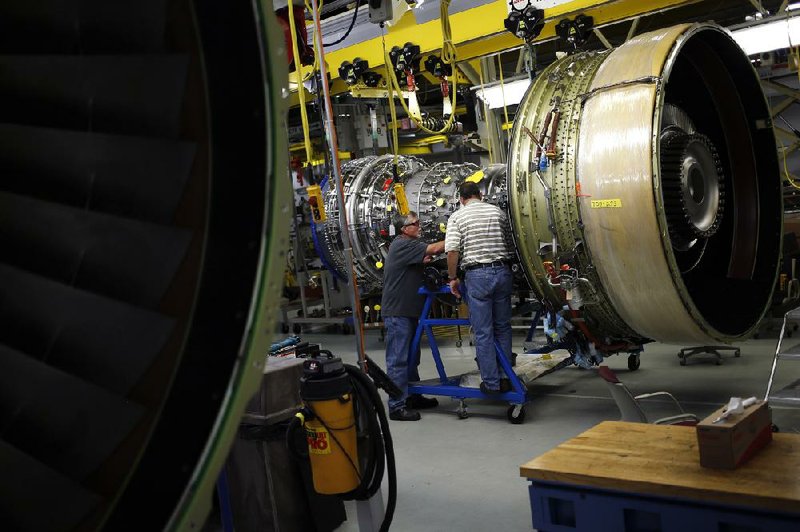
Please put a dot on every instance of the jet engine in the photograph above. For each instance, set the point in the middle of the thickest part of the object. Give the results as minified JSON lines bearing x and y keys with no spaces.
{"x":645,"y":191}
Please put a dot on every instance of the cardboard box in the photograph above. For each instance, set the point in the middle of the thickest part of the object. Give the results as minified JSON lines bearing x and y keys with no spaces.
{"x":730,"y":442}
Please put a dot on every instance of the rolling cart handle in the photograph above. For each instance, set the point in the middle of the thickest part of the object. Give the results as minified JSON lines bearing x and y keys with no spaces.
{"x":445,"y":289}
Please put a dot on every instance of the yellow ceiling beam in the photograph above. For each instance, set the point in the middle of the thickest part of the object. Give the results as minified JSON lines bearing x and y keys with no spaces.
{"x":479,"y":31}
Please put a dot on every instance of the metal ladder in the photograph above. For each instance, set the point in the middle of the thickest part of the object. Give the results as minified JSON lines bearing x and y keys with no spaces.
{"x":788,"y":395}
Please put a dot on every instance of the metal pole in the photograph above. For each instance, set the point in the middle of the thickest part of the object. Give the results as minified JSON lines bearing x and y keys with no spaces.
{"x":333,"y":144}
{"x":326,"y":294}
{"x":370,"y":512}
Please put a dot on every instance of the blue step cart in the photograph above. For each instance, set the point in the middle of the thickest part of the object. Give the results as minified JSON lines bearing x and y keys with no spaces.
{"x":450,"y":386}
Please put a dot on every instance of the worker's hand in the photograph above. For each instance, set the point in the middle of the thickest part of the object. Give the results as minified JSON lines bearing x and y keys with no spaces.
{"x":455,"y":286}
{"x":427,"y":259}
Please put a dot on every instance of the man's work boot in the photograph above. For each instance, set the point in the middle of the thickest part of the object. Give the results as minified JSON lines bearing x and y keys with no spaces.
{"x":404,"y":414}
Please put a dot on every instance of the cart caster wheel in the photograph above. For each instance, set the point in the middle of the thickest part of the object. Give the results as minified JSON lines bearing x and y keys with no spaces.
{"x":633,"y":362}
{"x":346,"y":329}
{"x":775,"y":428}
{"x":458,"y":343}
{"x":462,"y":412}
{"x":285,"y":328}
{"x":683,"y":362}
{"x":297,"y":328}
{"x":718,"y":362}
{"x":737,"y":353}
{"x":516,"y":414}
{"x":471,"y":343}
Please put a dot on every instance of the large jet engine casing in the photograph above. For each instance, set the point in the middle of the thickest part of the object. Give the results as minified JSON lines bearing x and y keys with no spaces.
{"x":651,"y":170}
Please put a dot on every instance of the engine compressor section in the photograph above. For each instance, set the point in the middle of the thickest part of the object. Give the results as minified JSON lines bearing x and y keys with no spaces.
{"x":374,"y":192}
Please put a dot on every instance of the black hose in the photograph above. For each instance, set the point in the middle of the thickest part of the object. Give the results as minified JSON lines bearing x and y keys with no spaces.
{"x":291,"y":443}
{"x":347,"y":33}
{"x":381,"y":445}
{"x":373,"y":456}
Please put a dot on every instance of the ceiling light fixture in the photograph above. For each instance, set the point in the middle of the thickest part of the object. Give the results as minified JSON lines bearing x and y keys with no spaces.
{"x":511,"y":91}
{"x":768,"y":34}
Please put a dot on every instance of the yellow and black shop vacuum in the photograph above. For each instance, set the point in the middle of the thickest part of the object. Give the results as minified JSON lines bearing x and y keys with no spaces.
{"x":331,"y":429}
{"x":347,"y":436}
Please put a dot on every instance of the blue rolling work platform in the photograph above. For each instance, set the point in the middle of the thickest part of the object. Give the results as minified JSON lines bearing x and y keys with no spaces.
{"x":450,"y":386}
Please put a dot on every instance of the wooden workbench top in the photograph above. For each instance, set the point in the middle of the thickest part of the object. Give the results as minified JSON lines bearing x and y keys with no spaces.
{"x":663,"y":460}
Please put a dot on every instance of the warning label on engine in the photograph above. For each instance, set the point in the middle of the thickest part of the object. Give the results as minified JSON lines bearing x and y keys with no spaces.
{"x":318,"y":441}
{"x":606,"y":203}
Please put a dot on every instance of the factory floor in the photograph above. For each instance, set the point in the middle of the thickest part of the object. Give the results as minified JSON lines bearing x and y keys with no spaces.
{"x":456,"y":474}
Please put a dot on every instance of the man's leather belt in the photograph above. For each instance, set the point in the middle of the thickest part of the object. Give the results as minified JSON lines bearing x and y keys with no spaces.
{"x":486,"y":265}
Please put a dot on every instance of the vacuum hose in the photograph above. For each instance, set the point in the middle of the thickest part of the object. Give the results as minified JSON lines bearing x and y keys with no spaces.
{"x":380,"y":444}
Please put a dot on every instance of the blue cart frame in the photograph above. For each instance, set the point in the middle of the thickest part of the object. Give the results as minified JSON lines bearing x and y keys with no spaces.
{"x":449,"y":386}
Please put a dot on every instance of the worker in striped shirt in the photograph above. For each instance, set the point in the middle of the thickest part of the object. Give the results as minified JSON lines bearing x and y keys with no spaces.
{"x":479,"y":235}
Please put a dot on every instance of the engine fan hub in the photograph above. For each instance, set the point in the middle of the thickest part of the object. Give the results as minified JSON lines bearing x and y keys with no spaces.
{"x":693,"y":187}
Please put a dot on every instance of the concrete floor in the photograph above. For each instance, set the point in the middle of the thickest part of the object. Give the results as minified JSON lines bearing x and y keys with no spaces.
{"x":458,"y":474}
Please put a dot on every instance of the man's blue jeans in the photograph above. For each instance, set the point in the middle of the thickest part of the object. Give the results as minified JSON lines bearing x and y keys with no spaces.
{"x":488,"y":294}
{"x":399,"y":334}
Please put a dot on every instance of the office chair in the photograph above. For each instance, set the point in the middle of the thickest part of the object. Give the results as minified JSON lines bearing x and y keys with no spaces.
{"x":630,"y":408}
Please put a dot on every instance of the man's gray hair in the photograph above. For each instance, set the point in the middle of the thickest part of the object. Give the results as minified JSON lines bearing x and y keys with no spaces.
{"x":401,"y":221}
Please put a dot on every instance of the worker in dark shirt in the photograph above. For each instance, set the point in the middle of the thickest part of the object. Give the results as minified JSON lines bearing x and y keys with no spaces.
{"x":401,"y":307}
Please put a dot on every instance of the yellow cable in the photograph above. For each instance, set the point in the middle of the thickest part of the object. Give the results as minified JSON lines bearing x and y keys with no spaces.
{"x":448,"y":56}
{"x":448,"y":48}
{"x":300,"y":88}
{"x":418,"y":119}
{"x":486,"y":111}
{"x":392,"y":110}
{"x":796,"y":54}
{"x":315,"y":65}
{"x":308,"y":6}
{"x":785,"y":167}
{"x":502,"y":88}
